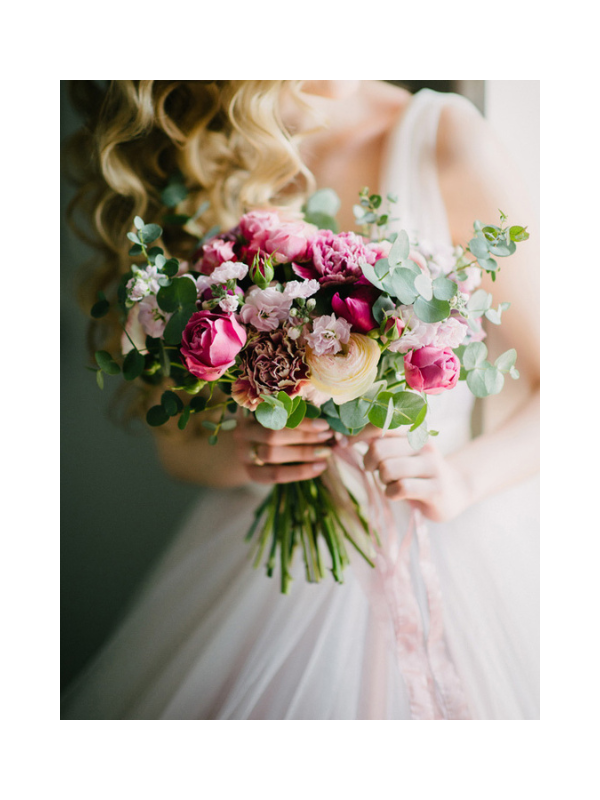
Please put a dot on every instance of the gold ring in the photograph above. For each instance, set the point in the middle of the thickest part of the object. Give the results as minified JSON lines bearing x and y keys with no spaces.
{"x":254,"y":455}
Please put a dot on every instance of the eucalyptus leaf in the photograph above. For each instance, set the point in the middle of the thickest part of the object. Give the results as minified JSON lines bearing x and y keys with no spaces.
{"x":272,"y":417}
{"x":400,"y":249}
{"x":100,"y":309}
{"x":443,"y":288}
{"x":433,"y":310}
{"x":229,"y":424}
{"x":133,"y":365}
{"x":106,"y":362}
{"x":133,"y":237}
{"x":183,"y":419}
{"x":476,"y":382}
{"x":401,"y":284}
{"x":380,"y":306}
{"x":488,"y":264}
{"x":138,"y":222}
{"x":323,"y":201}
{"x":171,"y":403}
{"x":100,"y":378}
{"x":424,"y":286}
{"x":479,"y":302}
{"x":354,"y":413}
{"x":474,"y":355}
{"x":370,"y":274}
{"x":149,"y":233}
{"x":493,"y":316}
{"x":494,"y":380}
{"x":479,"y":247}
{"x":156,"y":416}
{"x":506,"y":361}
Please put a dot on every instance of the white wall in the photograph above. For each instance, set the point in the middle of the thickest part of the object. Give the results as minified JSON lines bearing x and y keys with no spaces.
{"x":513,"y":108}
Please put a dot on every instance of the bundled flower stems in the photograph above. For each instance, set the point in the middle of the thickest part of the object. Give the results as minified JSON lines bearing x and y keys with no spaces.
{"x":291,"y":319}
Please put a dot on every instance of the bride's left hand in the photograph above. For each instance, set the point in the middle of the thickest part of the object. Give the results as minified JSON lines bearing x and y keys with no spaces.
{"x":426,"y":478}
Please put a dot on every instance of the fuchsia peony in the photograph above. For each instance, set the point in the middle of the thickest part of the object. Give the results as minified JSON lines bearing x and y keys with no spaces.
{"x":431,"y":370}
{"x":210,"y":343}
{"x":356,"y":306}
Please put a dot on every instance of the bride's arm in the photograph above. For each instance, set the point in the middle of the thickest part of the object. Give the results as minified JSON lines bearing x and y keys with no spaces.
{"x":477,"y":179}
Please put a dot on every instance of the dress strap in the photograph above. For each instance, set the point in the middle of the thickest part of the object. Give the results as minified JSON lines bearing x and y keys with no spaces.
{"x":410,"y":168}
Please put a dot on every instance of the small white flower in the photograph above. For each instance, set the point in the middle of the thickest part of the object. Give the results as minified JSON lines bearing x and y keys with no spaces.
{"x":304,"y":289}
{"x":229,"y":270}
{"x":229,"y":303}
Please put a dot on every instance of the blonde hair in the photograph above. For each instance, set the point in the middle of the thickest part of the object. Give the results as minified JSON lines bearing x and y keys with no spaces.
{"x":226,"y":138}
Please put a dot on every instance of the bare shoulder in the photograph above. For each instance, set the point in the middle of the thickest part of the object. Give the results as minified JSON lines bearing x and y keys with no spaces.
{"x":390,"y":100}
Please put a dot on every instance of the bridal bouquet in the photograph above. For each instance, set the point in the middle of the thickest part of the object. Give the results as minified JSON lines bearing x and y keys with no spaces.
{"x":287,"y":318}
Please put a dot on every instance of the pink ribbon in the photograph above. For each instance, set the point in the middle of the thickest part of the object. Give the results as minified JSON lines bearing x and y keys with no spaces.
{"x":433,"y":686}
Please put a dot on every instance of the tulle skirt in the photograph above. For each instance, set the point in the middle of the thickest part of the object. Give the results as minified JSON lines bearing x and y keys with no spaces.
{"x":210,"y":637}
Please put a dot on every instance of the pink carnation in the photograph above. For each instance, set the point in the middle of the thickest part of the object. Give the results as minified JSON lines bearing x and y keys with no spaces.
{"x":214,"y":253}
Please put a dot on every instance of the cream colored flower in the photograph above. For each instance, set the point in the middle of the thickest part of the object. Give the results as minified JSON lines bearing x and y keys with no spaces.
{"x":346,"y":375}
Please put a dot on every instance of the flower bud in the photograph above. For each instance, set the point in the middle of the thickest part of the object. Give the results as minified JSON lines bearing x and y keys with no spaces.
{"x":262,"y":271}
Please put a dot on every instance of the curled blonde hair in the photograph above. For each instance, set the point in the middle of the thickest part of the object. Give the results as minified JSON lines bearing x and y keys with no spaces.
{"x":226,"y":138}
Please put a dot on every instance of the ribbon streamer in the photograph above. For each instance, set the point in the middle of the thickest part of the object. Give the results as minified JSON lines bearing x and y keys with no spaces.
{"x":433,"y":686}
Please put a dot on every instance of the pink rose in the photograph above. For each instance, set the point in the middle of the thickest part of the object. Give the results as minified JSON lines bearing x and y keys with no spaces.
{"x":287,"y":242}
{"x":210,"y":343}
{"x":256,"y":226}
{"x":356,"y":306}
{"x":431,"y":370}
{"x":214,"y":253}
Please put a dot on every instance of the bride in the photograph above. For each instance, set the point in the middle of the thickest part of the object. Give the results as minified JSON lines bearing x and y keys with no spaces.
{"x":211,"y":638}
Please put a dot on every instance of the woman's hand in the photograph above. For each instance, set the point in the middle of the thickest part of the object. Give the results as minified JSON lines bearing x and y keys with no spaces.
{"x":429,"y":481}
{"x":291,"y":454}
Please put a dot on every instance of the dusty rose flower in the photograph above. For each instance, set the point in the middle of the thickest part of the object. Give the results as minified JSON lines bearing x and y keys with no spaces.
{"x":213,"y":254}
{"x":256,"y":226}
{"x":431,"y":370}
{"x":270,"y":363}
{"x":210,"y":343}
{"x":377,"y":250}
{"x":334,"y":258}
{"x":265,"y":309}
{"x":356,"y":306}
{"x":328,"y":334}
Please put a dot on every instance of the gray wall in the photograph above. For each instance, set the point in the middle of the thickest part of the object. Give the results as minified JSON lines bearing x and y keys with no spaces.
{"x":118,"y":509}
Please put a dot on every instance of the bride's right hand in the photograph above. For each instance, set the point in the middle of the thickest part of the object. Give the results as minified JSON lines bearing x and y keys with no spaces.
{"x":291,"y":454}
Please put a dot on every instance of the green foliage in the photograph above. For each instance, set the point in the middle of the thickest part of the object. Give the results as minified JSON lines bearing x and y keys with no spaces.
{"x":321,"y":209}
{"x":133,"y":365}
{"x":157,"y":416}
{"x":106,"y":362}
{"x":433,"y":310}
{"x":174,"y":192}
{"x":297,"y":413}
{"x":444,"y":289}
{"x":406,"y":409}
{"x":171,"y":403}
{"x":184,"y":418}
{"x":179,"y":299}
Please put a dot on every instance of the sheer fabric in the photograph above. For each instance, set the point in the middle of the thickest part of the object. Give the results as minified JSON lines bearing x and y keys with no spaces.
{"x":211,"y":638}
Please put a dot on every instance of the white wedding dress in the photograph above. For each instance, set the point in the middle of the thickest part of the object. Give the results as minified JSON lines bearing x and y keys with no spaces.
{"x":209,"y":637}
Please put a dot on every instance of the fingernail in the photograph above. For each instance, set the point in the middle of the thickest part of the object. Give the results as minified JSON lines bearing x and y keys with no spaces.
{"x":319,"y":466}
{"x":319,"y":424}
{"x":323,"y":435}
{"x":341,"y":439}
{"x":322,"y":452}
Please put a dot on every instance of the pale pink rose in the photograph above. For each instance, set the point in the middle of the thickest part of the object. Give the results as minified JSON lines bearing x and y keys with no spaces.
{"x":441,"y":258}
{"x":302,"y":289}
{"x":416,"y":333}
{"x":214,"y":253}
{"x":287,"y":242}
{"x":377,"y":250}
{"x":210,"y":343}
{"x":431,"y":370}
{"x":420,"y":260}
{"x":328,"y":335}
{"x":229,"y":270}
{"x":256,"y":226}
{"x":265,"y":309}
{"x":450,"y":333}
